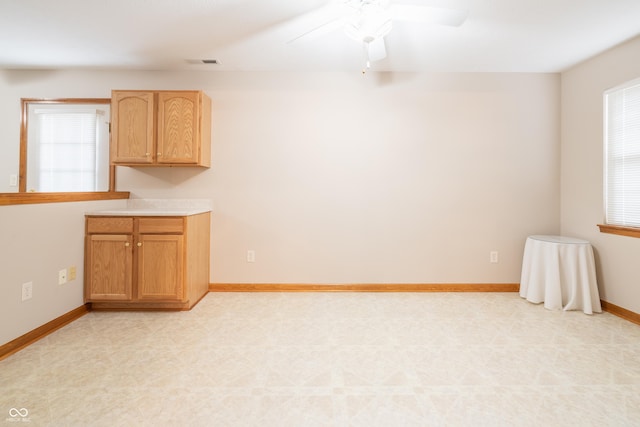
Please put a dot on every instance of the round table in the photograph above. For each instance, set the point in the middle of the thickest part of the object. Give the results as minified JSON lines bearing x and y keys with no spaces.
{"x":560,"y":271}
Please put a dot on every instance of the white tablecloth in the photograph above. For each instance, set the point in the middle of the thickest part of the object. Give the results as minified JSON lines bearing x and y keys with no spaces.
{"x":561,"y":272}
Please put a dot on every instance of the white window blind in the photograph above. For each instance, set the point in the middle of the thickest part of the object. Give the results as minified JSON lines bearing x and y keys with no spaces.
{"x":622,"y":155}
{"x":67,"y":149}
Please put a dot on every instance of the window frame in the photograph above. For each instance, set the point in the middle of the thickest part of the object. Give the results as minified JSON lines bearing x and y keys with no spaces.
{"x":620,"y":230}
{"x":22,"y":196}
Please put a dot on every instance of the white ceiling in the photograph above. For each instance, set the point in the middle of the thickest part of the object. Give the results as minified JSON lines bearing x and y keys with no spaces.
{"x":498,"y":35}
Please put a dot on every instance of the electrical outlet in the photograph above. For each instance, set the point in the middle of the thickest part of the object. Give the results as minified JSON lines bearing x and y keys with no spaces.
{"x":62,"y":276}
{"x":27,"y":291}
{"x":493,"y":257}
{"x":251,"y":256}
{"x":13,"y":180}
{"x":72,"y":273}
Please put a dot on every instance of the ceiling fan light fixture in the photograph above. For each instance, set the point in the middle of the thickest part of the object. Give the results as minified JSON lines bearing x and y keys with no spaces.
{"x":368,"y":34}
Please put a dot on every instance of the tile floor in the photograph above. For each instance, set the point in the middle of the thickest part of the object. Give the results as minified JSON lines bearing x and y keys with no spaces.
{"x":331,"y":359}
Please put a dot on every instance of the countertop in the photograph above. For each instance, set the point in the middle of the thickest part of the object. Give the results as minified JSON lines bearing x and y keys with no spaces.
{"x":157,"y":207}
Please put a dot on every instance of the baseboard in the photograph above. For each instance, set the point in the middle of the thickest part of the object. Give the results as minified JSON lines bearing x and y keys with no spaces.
{"x":40,"y":332}
{"x":620,"y":312}
{"x":364,"y":287}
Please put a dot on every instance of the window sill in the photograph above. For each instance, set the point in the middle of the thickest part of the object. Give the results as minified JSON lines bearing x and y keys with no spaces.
{"x":32,"y":198}
{"x":621,"y":231}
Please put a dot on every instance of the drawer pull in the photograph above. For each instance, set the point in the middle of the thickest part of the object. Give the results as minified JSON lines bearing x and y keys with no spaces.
{"x":139,"y":244}
{"x":126,"y":244}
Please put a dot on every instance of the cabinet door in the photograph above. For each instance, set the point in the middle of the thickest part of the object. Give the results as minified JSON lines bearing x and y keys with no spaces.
{"x":160,"y":267}
{"x":108,"y":267}
{"x":133,"y":127}
{"x":178,"y":127}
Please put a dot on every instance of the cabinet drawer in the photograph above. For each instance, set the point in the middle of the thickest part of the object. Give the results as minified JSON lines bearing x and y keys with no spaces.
{"x":173,"y":225}
{"x":109,"y":225}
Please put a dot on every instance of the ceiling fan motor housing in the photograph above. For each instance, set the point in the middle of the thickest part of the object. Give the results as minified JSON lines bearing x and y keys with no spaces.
{"x":369,"y":21}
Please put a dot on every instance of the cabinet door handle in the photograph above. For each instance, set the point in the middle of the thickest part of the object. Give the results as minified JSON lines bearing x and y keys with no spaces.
{"x":139,"y":244}
{"x":147,"y":154}
{"x":126,"y":244}
{"x":159,"y":154}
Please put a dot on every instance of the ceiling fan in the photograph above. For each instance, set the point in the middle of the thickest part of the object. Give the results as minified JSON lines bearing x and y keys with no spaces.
{"x":369,"y":21}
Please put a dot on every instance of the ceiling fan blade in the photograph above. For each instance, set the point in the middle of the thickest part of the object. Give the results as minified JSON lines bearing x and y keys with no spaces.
{"x":322,"y":21}
{"x":319,"y":31}
{"x":428,"y":14}
{"x":376,"y":49}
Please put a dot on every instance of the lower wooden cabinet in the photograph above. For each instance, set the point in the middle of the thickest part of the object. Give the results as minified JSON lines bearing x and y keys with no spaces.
{"x":146,"y":262}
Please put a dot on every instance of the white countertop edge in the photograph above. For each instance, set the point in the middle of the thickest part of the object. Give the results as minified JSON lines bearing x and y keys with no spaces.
{"x":158,"y":207}
{"x":146,"y":212}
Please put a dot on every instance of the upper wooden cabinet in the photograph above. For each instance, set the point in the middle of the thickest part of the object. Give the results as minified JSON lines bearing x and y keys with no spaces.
{"x":160,"y":128}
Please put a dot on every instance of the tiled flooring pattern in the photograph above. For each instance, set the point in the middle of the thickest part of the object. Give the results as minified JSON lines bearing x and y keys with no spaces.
{"x":332,"y":359}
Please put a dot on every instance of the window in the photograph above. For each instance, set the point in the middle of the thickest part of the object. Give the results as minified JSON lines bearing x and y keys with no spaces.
{"x":64,"y":152}
{"x":622,"y":155}
{"x":67,"y":147}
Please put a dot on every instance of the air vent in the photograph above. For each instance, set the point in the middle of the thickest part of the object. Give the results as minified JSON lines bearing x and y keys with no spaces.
{"x":210,"y":61}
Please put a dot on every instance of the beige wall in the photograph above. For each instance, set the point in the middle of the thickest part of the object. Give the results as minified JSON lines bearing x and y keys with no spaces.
{"x":329,"y":177}
{"x":37,"y":241}
{"x":582,"y":170}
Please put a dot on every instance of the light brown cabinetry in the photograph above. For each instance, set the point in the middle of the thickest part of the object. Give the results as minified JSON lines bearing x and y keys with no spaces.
{"x":160,"y":128}
{"x":146,"y":262}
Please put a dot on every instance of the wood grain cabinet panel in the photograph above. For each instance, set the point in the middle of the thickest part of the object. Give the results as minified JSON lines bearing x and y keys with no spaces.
{"x":178,"y":130}
{"x":108,"y":269}
{"x":161,"y":225}
{"x":117,"y":224}
{"x":160,"y":128}
{"x":132,"y":127}
{"x":160,"y":263}
{"x":161,"y":267}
